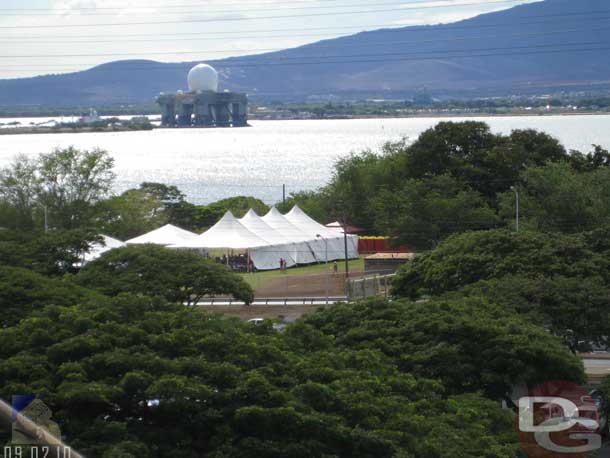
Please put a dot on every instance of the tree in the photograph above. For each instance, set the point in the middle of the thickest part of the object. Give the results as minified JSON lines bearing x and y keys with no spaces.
{"x":18,"y":190}
{"x":596,"y":159}
{"x":22,"y":292}
{"x":133,"y":213}
{"x":468,"y":344}
{"x":166,"y":194}
{"x":53,"y":254}
{"x":557,"y":198}
{"x":65,"y":184}
{"x":577,"y":309}
{"x":481,"y":163}
{"x":141,"y":376}
{"x":471,"y":153}
{"x":424,"y":212}
{"x":201,"y":217}
{"x":467,"y":258}
{"x":71,"y":182}
{"x":313,"y":203}
{"x":175,"y":275}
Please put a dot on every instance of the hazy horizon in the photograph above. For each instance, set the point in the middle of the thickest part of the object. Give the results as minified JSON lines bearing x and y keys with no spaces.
{"x":60,"y":36}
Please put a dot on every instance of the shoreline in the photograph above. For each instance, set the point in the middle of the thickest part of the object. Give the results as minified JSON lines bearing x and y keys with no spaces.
{"x":5,"y":131}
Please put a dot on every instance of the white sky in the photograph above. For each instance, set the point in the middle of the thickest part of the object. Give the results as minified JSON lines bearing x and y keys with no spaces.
{"x":56,"y":36}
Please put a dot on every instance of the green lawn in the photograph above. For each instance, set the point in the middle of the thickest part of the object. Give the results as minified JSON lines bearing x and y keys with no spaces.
{"x":256,"y":279}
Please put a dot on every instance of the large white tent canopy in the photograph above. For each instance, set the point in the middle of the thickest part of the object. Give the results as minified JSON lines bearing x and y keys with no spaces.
{"x":280,"y":248}
{"x":305,"y":252}
{"x":228,"y":233}
{"x":165,"y":236}
{"x":333,"y":243}
{"x":294,"y":238}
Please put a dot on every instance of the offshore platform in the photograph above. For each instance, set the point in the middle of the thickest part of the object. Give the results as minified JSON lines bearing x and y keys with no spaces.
{"x":203,"y":105}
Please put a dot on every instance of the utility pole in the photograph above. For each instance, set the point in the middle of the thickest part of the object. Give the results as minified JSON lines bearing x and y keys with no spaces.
{"x":46,"y":219}
{"x":325,"y":263}
{"x":516,"y":191}
{"x":284,"y":194}
{"x":344,"y":224}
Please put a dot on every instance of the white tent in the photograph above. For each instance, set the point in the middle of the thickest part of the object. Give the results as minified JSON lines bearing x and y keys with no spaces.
{"x":307,"y":249}
{"x":98,"y":249}
{"x":165,"y":236}
{"x":335,"y":243}
{"x":268,"y":258}
{"x":228,"y":233}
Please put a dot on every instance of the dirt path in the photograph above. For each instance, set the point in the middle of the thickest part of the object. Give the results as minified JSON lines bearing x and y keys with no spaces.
{"x":303,"y":286}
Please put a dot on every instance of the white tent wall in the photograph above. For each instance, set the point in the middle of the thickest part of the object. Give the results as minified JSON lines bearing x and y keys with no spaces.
{"x":268,"y":258}
{"x":303,"y":252}
{"x":334,"y":240}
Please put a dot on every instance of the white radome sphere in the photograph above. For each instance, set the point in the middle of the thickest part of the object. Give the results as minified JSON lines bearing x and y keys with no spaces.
{"x":203,"y":77}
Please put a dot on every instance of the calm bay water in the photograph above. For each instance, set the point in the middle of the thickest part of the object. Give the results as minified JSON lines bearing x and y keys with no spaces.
{"x":211,"y":164}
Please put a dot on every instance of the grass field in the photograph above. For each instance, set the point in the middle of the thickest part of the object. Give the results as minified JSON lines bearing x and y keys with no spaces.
{"x":260,"y":278}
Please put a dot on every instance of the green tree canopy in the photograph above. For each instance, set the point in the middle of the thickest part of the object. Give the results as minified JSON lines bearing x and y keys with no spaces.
{"x":66,"y":184}
{"x":473,"y":256}
{"x":23,"y":291}
{"x":131,"y":214}
{"x":139,"y":375}
{"x":558,"y":198}
{"x":560,"y":282}
{"x":55,"y":253}
{"x":469,"y":344}
{"x":577,"y":309}
{"x":406,"y":180}
{"x":176,"y":275}
{"x":424,"y":212}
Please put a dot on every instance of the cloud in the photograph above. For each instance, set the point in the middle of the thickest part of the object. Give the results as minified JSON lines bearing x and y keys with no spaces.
{"x":446,"y":15}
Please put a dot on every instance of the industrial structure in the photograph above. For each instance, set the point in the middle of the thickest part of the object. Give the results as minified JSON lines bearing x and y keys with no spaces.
{"x":203,"y":105}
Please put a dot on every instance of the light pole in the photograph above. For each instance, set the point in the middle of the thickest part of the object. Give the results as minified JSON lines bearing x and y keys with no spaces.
{"x":516,"y":191}
{"x":325,"y":263}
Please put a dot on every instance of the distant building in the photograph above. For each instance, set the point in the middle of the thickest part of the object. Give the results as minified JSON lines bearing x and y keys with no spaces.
{"x":203,"y":105}
{"x":90,"y":118}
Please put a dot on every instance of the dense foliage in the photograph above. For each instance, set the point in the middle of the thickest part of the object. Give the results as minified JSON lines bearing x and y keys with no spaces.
{"x":141,"y":376}
{"x":560,"y":282}
{"x":460,"y":176}
{"x":23,"y":291}
{"x":469,"y":344}
{"x":176,"y":275}
{"x":58,"y":190}
{"x":54,"y":253}
{"x":130,"y":371}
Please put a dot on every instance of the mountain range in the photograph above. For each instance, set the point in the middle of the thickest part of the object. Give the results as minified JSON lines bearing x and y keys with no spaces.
{"x":547,"y":46}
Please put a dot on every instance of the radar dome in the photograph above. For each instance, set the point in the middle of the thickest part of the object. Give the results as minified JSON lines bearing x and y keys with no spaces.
{"x":203,"y":77}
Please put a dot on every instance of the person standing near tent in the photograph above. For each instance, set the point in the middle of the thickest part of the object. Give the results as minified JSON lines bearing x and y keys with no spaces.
{"x":335,"y":268}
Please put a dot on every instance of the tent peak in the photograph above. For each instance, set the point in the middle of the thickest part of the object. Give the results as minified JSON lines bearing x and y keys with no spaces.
{"x":297,"y":210}
{"x":274,"y":211}
{"x":251,"y":214}
{"x":228,"y":216}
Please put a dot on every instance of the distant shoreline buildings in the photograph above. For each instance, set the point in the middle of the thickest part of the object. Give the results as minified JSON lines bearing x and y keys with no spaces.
{"x":203,"y":105}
